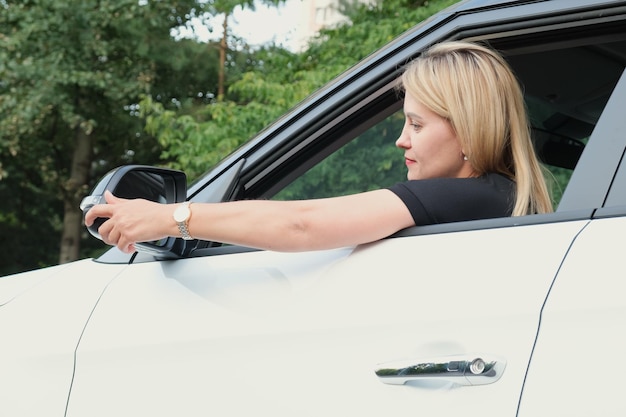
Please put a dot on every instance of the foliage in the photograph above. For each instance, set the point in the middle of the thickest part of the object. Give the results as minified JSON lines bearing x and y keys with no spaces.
{"x":194,"y":146}
{"x":279,"y":81}
{"x":366,"y":163}
{"x":557,"y":181}
{"x":71,"y":75}
{"x":372,"y":26}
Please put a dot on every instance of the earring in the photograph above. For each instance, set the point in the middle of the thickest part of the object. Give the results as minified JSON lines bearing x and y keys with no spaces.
{"x":464,"y":157}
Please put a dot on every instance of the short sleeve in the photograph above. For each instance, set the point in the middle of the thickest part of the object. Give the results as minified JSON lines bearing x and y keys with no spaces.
{"x":445,"y":200}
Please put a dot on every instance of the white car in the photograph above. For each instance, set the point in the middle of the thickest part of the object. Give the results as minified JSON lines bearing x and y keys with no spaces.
{"x":520,"y":316}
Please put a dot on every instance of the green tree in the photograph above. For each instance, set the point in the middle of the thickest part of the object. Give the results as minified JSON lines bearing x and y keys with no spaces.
{"x":69,"y":75}
{"x":368,"y":162}
{"x":195,"y":142}
{"x":279,"y":81}
{"x":225,"y":9}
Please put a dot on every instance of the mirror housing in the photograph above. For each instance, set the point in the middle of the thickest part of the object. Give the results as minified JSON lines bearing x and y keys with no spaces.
{"x":160,"y":185}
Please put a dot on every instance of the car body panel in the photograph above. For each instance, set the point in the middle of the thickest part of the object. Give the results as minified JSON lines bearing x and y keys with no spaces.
{"x":576,"y":368}
{"x":15,"y":285}
{"x":40,"y":332}
{"x":286,"y":328}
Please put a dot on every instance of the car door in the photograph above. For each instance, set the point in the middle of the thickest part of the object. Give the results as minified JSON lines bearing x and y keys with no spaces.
{"x":303,"y":334}
{"x":576,"y":368}
{"x":42,"y":316}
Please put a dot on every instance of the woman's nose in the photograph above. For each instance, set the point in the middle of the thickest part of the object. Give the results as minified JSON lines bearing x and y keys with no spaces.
{"x":403,"y":141}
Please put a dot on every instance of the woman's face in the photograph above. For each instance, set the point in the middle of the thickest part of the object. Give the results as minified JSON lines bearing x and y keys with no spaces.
{"x":431,"y":148}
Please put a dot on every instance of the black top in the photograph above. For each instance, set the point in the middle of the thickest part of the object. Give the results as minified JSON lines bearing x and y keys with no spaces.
{"x":445,"y":200}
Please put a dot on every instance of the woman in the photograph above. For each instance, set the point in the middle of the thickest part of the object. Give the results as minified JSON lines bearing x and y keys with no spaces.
{"x":467,"y":149}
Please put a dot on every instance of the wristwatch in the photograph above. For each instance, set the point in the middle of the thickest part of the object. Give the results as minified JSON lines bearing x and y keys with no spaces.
{"x":181,"y":217}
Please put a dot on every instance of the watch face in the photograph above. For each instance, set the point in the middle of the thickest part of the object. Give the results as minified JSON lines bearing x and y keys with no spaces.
{"x":181,"y":213}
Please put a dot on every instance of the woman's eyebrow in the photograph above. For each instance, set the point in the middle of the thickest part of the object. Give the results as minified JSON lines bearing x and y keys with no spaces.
{"x":412,"y":115}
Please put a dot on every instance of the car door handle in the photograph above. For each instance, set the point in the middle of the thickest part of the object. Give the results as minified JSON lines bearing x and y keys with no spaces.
{"x":459,"y":369}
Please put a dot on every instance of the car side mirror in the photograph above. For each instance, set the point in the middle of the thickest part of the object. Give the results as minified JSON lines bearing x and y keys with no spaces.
{"x":160,"y":185}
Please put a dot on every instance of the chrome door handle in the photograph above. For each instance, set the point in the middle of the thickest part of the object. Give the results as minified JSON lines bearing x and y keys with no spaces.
{"x":460,"y":369}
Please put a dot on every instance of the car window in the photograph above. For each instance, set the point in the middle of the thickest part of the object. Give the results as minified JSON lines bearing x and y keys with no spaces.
{"x":370,"y":161}
{"x":566,"y":88}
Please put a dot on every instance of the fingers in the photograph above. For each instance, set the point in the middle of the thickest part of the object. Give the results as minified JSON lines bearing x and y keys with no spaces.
{"x":118,"y":238}
{"x":102,"y":210}
{"x":127,"y":221}
{"x":111,"y":199}
{"x":112,"y":235}
{"x":107,"y":233}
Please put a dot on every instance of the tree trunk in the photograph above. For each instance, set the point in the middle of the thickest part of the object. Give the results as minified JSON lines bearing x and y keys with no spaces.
{"x":74,"y":190}
{"x":221,"y":80}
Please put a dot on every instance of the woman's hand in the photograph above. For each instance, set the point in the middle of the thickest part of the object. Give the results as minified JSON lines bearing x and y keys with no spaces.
{"x":131,"y":221}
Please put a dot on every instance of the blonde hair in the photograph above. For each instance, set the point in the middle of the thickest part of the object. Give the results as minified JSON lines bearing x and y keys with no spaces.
{"x":474,"y":88}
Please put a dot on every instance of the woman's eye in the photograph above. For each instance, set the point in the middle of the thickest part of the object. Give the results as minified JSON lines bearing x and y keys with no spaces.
{"x":416,"y":127}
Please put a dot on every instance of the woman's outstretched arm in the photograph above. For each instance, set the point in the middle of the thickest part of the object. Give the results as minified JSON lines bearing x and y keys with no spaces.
{"x":274,"y":225}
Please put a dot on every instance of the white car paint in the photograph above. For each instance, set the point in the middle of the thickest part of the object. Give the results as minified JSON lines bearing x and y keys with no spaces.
{"x":577,"y":368}
{"x":268,"y":333}
{"x":41,"y":328}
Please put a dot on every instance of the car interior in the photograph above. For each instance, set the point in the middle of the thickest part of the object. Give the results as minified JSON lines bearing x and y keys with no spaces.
{"x":567,"y":86}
